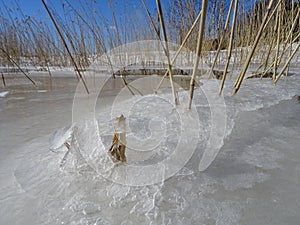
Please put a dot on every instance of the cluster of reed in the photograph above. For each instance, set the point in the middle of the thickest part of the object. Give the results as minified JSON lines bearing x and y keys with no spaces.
{"x":32,"y":40}
{"x":272,"y":24}
{"x":263,"y":29}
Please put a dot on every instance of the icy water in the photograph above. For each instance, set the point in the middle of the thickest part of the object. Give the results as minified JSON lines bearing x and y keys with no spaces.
{"x":254,"y":179}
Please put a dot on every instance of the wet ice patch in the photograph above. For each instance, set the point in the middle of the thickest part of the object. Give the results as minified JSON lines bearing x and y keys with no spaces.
{"x":243,"y":181}
{"x":228,"y":212}
{"x":261,"y":156}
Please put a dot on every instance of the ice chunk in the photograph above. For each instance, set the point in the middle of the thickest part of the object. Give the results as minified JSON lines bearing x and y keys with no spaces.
{"x":90,"y":208}
{"x":59,"y":137}
{"x":3,"y":94}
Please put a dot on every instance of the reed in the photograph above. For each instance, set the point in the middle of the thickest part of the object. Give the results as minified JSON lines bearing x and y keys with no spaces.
{"x":229,"y":47}
{"x":17,"y":65}
{"x":264,"y":34}
{"x":258,"y":36}
{"x":66,"y":46}
{"x":287,"y":63}
{"x":3,"y":79}
{"x":162,"y":24}
{"x":180,"y":48}
{"x":198,"y":52}
{"x":222,"y":38}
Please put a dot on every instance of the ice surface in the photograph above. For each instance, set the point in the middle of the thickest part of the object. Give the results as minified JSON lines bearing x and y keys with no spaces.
{"x":252,"y":179}
{"x":223,"y":115}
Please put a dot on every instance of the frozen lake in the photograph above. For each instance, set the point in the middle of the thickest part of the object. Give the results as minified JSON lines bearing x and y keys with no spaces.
{"x":254,"y":179}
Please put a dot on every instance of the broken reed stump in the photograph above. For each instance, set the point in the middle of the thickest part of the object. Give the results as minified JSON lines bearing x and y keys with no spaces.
{"x":64,"y":159}
{"x":3,"y":79}
{"x":118,"y":147}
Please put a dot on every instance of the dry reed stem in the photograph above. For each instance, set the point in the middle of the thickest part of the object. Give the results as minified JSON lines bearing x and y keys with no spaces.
{"x":287,"y":63}
{"x":66,"y":46}
{"x":126,"y":85}
{"x":221,"y":39}
{"x":17,"y":65}
{"x":267,"y":59}
{"x":198,"y":51}
{"x":151,"y":20}
{"x":155,"y":28}
{"x":94,"y":33}
{"x":289,"y":38}
{"x":180,"y":48}
{"x":293,"y":8}
{"x":3,"y":79}
{"x":250,"y":54}
{"x":229,"y":47}
{"x":162,"y":23}
{"x":282,"y":53}
{"x":277,"y":29}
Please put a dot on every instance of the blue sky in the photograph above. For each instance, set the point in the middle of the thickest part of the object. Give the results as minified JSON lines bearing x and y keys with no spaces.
{"x":35,"y":7}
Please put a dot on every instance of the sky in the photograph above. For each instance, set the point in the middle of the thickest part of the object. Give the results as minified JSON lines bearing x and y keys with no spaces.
{"x":35,"y":7}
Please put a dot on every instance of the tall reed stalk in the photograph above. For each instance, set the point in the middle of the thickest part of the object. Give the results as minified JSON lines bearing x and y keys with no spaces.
{"x":67,"y":48}
{"x":162,"y":24}
{"x":230,"y":46}
{"x":180,"y":48}
{"x":17,"y":65}
{"x":258,"y":36}
{"x":222,"y":38}
{"x":198,"y":51}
